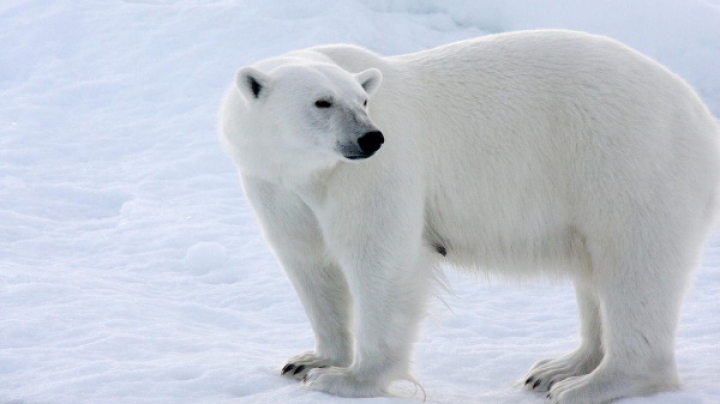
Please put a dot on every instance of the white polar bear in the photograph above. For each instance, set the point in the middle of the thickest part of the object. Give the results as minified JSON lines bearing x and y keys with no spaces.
{"x":548,"y":151}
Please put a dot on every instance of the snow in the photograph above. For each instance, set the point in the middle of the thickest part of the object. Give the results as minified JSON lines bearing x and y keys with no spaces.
{"x":131,"y":268}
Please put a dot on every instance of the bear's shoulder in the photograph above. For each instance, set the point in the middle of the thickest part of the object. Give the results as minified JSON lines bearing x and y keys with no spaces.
{"x":352,"y":58}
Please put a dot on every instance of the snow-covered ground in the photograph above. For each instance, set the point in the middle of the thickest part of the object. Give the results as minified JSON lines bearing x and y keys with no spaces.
{"x":131,"y":270}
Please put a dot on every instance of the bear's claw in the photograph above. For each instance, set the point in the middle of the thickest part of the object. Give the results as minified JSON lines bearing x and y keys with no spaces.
{"x":288,"y":368}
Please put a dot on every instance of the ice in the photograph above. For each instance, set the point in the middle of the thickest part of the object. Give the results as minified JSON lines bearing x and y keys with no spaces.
{"x":204,"y":257}
{"x":131,"y":267}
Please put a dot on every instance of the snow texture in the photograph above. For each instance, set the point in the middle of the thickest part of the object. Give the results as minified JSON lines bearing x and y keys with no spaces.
{"x":131,"y":268}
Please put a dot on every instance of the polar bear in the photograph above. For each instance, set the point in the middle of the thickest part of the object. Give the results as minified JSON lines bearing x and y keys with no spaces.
{"x":539,"y":152}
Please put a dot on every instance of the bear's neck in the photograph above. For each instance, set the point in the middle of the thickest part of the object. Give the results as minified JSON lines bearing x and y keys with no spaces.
{"x":310,"y":186}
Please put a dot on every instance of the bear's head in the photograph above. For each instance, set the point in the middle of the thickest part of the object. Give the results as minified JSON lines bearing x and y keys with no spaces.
{"x":301,"y":116}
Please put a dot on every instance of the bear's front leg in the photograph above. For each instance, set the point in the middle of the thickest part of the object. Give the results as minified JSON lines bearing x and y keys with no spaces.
{"x":388,"y":269}
{"x":388,"y":303}
{"x":319,"y":283}
{"x":325,"y":297}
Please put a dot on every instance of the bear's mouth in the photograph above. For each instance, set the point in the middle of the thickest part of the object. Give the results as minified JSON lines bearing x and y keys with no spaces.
{"x":358,"y":157}
{"x":355,"y":153}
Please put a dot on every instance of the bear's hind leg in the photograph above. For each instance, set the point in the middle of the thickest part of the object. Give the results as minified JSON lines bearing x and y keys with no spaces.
{"x":640,"y":293}
{"x":585,"y":358}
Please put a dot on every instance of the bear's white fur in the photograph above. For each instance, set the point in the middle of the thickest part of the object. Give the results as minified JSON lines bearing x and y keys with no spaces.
{"x":542,"y":151}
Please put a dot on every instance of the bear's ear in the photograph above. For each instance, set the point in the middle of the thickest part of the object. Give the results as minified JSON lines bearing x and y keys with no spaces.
{"x":370,"y":80}
{"x":251,"y":82}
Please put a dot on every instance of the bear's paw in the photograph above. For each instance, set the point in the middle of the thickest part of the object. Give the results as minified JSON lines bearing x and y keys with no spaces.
{"x":341,"y":382}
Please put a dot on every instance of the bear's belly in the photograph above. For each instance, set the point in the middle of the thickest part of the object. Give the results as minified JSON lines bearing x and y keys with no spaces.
{"x":509,"y":237}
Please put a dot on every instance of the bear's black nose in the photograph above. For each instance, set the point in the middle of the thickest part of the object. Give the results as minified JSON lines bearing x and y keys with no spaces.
{"x":371,"y":141}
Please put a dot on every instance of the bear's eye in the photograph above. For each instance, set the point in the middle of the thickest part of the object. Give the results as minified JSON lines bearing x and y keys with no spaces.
{"x":365,"y":103}
{"x":323,"y":104}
